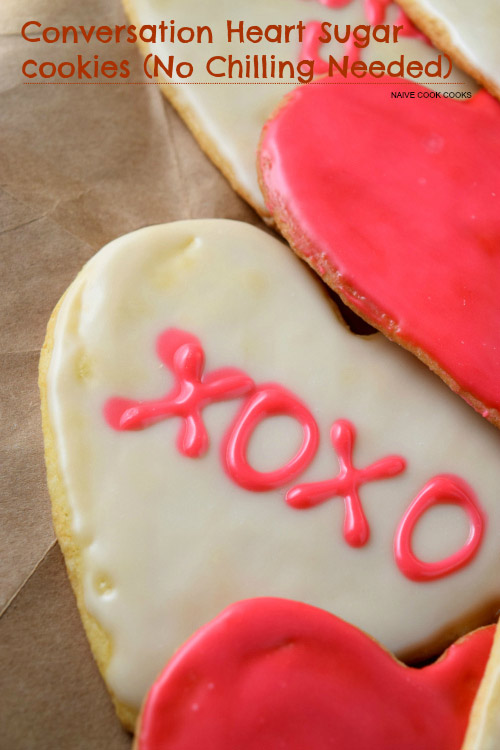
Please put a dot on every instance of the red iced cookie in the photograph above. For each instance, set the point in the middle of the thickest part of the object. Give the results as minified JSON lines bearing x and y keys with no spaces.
{"x":272,"y":673}
{"x":396,"y":204}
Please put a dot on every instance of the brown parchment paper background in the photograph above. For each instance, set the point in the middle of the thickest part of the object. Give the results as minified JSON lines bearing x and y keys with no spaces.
{"x":79,"y":165}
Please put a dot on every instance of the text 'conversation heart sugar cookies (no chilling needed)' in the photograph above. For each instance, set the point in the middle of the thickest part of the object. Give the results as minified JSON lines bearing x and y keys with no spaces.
{"x":396,"y":204}
{"x":214,"y":433}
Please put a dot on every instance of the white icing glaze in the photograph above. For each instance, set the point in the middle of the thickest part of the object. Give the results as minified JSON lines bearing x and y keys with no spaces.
{"x":170,"y":541}
{"x":473,"y":30}
{"x":232,"y":116}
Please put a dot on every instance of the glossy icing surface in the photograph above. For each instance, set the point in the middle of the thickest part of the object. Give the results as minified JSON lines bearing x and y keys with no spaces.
{"x":182,"y":353}
{"x":346,"y":483}
{"x":232,"y":116}
{"x":268,"y":401}
{"x":407,"y":224}
{"x":440,"y":489}
{"x":170,"y":540}
{"x":269,"y":673}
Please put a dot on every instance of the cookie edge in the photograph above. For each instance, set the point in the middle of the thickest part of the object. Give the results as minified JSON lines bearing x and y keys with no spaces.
{"x":305,"y":249}
{"x":99,"y":641}
{"x":193,"y":122}
{"x":440,"y":37}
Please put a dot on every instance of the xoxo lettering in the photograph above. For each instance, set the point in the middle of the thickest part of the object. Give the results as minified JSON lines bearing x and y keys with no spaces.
{"x":193,"y":390}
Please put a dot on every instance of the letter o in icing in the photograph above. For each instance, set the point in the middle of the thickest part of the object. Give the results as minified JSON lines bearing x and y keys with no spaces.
{"x":444,"y":488}
{"x":268,"y":401}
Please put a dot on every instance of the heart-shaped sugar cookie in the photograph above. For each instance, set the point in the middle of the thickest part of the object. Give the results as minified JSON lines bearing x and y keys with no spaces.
{"x":213,"y":433}
{"x":269,"y":673}
{"x":396,"y":204}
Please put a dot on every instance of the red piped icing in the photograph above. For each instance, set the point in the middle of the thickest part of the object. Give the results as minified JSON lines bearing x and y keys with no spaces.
{"x":375,"y":12}
{"x":396,"y":200}
{"x":334,"y":3}
{"x":311,"y":47}
{"x":273,"y":673}
{"x":268,"y":401}
{"x":183,"y":354}
{"x":346,"y":484}
{"x":445,"y":488}
{"x":409,"y":29}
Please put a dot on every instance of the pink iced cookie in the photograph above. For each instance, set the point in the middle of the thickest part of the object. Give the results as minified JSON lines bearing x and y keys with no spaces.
{"x":269,"y":673}
{"x":396,"y":204}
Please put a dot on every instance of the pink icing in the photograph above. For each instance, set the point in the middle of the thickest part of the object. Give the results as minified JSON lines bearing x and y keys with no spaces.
{"x":441,"y":489}
{"x":334,"y":3}
{"x":272,"y":673}
{"x":311,"y":47}
{"x":409,"y":29}
{"x":403,"y":216}
{"x":346,"y":484}
{"x":183,"y":355}
{"x":268,"y":401}
{"x":375,"y":11}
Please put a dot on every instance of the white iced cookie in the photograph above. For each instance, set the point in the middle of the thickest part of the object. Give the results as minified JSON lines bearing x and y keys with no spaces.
{"x":214,"y":433}
{"x":467,"y":31}
{"x":227,"y":119}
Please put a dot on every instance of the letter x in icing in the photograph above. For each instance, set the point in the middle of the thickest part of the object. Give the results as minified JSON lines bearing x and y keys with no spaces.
{"x":183,"y":354}
{"x":346,"y":484}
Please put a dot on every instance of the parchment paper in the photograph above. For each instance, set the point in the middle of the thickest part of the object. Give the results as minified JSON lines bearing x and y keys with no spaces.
{"x":79,"y":166}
